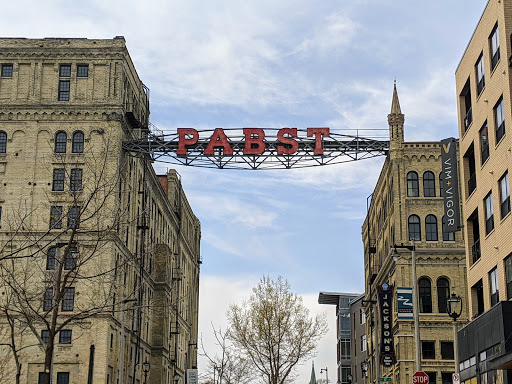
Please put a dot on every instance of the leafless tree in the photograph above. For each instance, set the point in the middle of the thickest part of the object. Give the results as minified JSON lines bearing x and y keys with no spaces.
{"x":57,"y":276}
{"x":227,"y":366}
{"x":274,"y":330}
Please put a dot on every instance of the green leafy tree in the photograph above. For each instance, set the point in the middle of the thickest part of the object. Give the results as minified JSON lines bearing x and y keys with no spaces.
{"x":274,"y":329}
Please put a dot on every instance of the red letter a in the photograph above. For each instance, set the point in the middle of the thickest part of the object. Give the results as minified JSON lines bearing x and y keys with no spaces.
{"x":218,"y":139}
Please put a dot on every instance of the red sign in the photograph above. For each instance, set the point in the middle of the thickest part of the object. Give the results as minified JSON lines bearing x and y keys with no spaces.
{"x":420,"y":377}
{"x":254,"y":141}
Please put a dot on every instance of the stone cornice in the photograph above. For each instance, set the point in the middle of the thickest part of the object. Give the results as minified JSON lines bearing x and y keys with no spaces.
{"x":84,"y":54}
{"x":92,"y":114}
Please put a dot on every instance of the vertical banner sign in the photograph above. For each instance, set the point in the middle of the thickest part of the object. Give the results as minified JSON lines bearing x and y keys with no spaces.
{"x":404,"y":303}
{"x":387,"y":347}
{"x":191,"y":376}
{"x":450,"y":185}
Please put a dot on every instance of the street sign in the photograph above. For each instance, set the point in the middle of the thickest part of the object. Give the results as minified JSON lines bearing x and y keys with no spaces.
{"x":420,"y":377}
{"x":456,"y":378}
{"x":385,"y":379}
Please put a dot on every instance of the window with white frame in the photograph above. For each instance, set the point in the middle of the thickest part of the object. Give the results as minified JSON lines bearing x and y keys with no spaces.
{"x":493,"y":286}
{"x":504,"y":195}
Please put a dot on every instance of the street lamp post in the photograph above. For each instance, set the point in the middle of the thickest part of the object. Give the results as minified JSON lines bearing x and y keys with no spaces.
{"x":396,"y":255}
{"x":453,"y":302}
{"x":145,"y":369}
{"x":326,"y":374}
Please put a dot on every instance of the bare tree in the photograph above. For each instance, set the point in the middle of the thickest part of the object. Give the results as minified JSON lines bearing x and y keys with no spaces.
{"x":45,"y":269}
{"x":274,"y":330}
{"x":227,"y":366}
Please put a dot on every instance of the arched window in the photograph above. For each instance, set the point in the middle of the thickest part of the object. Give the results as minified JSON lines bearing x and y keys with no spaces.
{"x":447,"y":236}
{"x":60,"y":142}
{"x":3,"y":142}
{"x":425,"y":294}
{"x":429,"y":184}
{"x":78,"y":142}
{"x":413,"y":189}
{"x":441,"y":185}
{"x":414,"y":228}
{"x":443,"y":292}
{"x":431,"y":228}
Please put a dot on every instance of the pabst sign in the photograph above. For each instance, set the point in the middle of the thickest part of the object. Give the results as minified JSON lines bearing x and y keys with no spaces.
{"x":254,"y":141}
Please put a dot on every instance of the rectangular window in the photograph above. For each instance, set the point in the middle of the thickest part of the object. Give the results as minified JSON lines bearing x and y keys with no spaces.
{"x":363,"y":343}
{"x":6,"y":70}
{"x":58,"y":179}
{"x":447,"y":350}
{"x":493,"y":286}
{"x":428,"y":349}
{"x":484,"y":142}
{"x":432,"y":377}
{"x":74,"y":217}
{"x":50,"y":258}
{"x":71,"y":258}
{"x":362,"y":316}
{"x":48,"y":299}
{"x":82,"y":70}
{"x":494,"y":41}
{"x":45,"y":335}
{"x":62,"y":377}
{"x":76,"y":179}
{"x":56,"y":217}
{"x":65,"y":70}
{"x":504,"y":195}
{"x":446,"y":378}
{"x":480,"y":77}
{"x":508,"y":275}
{"x":499,"y":115}
{"x":470,"y":165}
{"x":64,"y":87}
{"x":466,"y":99}
{"x":68,"y":300}
{"x":489,"y":213}
{"x":344,"y":349}
{"x":65,"y":336}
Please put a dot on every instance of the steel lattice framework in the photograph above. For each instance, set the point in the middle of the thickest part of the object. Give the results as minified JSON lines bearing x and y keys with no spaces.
{"x":337,"y":148}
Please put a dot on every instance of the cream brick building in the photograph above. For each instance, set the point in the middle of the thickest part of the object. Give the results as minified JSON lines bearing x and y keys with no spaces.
{"x":483,"y":82}
{"x":102,"y":245}
{"x":407,"y":205}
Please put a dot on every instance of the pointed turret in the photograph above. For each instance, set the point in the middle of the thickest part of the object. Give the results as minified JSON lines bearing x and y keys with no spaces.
{"x":395,"y":103}
{"x":313,"y":376}
{"x":396,"y":122}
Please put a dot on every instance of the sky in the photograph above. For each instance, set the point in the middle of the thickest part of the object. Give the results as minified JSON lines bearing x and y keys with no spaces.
{"x":278,"y":63}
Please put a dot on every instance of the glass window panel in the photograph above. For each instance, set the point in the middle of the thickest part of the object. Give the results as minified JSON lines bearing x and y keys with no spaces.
{"x":3,"y":142}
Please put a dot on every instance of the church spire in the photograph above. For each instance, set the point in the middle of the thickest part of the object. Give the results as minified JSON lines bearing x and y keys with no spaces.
{"x":396,"y":122}
{"x":313,"y":376}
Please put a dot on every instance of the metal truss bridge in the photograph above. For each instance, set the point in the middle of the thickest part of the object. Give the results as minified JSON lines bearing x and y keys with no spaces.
{"x":336,"y":148}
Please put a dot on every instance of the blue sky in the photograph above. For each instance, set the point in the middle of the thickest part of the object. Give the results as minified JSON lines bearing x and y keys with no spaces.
{"x":285,"y":63}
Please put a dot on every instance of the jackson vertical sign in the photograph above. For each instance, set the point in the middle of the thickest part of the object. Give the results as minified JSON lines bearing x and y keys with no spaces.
{"x":450,"y":185}
{"x":387,"y":346}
